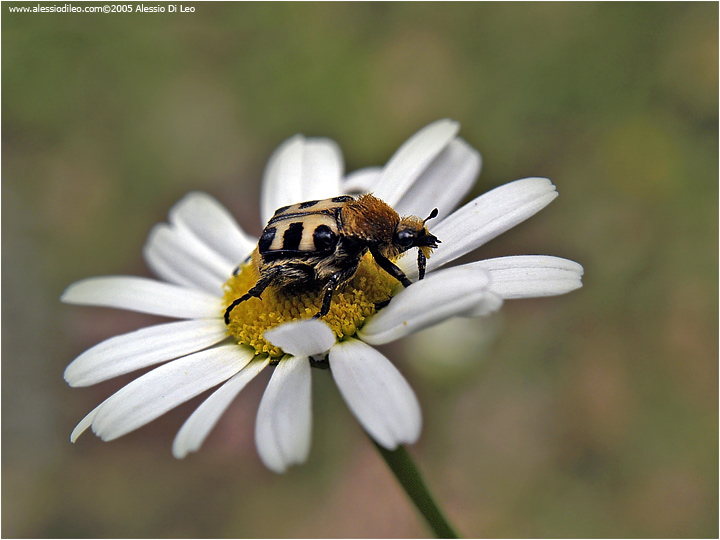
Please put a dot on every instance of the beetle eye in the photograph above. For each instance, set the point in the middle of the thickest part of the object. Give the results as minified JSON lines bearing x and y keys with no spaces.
{"x":405,"y":238}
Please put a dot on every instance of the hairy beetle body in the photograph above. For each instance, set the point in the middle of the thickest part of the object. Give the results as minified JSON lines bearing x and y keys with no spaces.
{"x":317,"y":245}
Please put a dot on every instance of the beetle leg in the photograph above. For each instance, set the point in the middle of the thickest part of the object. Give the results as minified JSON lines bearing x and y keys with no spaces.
{"x":256,"y":291}
{"x":421,"y":264}
{"x":327,"y":295}
{"x":387,"y":265}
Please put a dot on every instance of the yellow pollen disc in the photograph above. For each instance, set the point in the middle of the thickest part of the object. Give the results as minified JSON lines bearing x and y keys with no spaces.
{"x":351,"y":304}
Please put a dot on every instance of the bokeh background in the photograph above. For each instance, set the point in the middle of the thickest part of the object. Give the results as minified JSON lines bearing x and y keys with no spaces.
{"x":593,"y":414}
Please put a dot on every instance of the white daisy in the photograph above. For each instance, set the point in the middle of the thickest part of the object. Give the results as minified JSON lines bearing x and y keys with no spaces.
{"x":196,"y":256}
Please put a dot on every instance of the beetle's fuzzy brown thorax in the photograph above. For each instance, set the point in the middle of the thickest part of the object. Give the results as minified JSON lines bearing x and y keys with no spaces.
{"x":370,"y":220}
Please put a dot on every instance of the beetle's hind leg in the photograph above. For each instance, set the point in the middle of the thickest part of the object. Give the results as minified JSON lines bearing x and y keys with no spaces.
{"x":256,"y":291}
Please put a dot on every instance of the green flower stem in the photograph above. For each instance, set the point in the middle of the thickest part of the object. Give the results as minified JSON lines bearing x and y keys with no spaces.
{"x":407,"y":473}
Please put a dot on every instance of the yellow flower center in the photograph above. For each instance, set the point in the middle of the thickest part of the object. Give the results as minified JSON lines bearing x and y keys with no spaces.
{"x":352,"y":303}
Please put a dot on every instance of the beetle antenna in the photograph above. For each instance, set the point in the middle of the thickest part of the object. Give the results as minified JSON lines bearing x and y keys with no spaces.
{"x":433,"y":214}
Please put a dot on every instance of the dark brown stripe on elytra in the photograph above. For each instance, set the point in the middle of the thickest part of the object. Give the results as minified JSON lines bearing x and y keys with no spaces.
{"x":266,"y":239}
{"x":294,"y":255}
{"x":343,"y":198}
{"x":280,"y":210}
{"x":300,"y":215}
{"x":307,"y":204}
{"x":292,"y":236}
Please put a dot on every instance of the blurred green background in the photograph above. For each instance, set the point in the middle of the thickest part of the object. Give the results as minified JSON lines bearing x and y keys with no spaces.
{"x":593,"y":414}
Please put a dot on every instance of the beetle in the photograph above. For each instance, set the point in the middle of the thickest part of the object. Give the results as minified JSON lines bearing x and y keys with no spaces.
{"x":318,"y":245}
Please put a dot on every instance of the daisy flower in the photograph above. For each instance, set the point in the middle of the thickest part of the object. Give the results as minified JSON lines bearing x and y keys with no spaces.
{"x":201,"y":257}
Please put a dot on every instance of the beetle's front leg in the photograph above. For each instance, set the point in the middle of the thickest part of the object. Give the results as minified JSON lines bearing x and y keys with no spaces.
{"x":422,"y":260}
{"x":387,"y":265}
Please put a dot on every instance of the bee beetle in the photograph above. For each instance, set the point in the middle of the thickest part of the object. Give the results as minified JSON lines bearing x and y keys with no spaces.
{"x":317,"y":245}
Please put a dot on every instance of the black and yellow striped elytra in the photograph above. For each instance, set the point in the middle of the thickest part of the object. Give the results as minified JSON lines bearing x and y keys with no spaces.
{"x":309,"y":228}
{"x":317,"y":245}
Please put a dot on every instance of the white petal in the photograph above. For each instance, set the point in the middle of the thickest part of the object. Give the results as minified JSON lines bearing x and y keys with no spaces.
{"x":442,"y":295}
{"x":484,"y":218}
{"x":302,"y":338}
{"x":144,"y":295}
{"x":177,"y":256}
{"x":323,"y":169}
{"x":362,"y":180}
{"x":300,"y":168}
{"x":283,"y":429}
{"x":201,"y":422}
{"x":377,"y":394}
{"x":142,"y":348}
{"x":532,"y":275}
{"x":212,"y":224}
{"x":411,"y":159}
{"x":84,"y":423}
{"x":489,"y":304}
{"x":166,"y":387}
{"x":444,"y":183}
{"x":282,"y":179}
